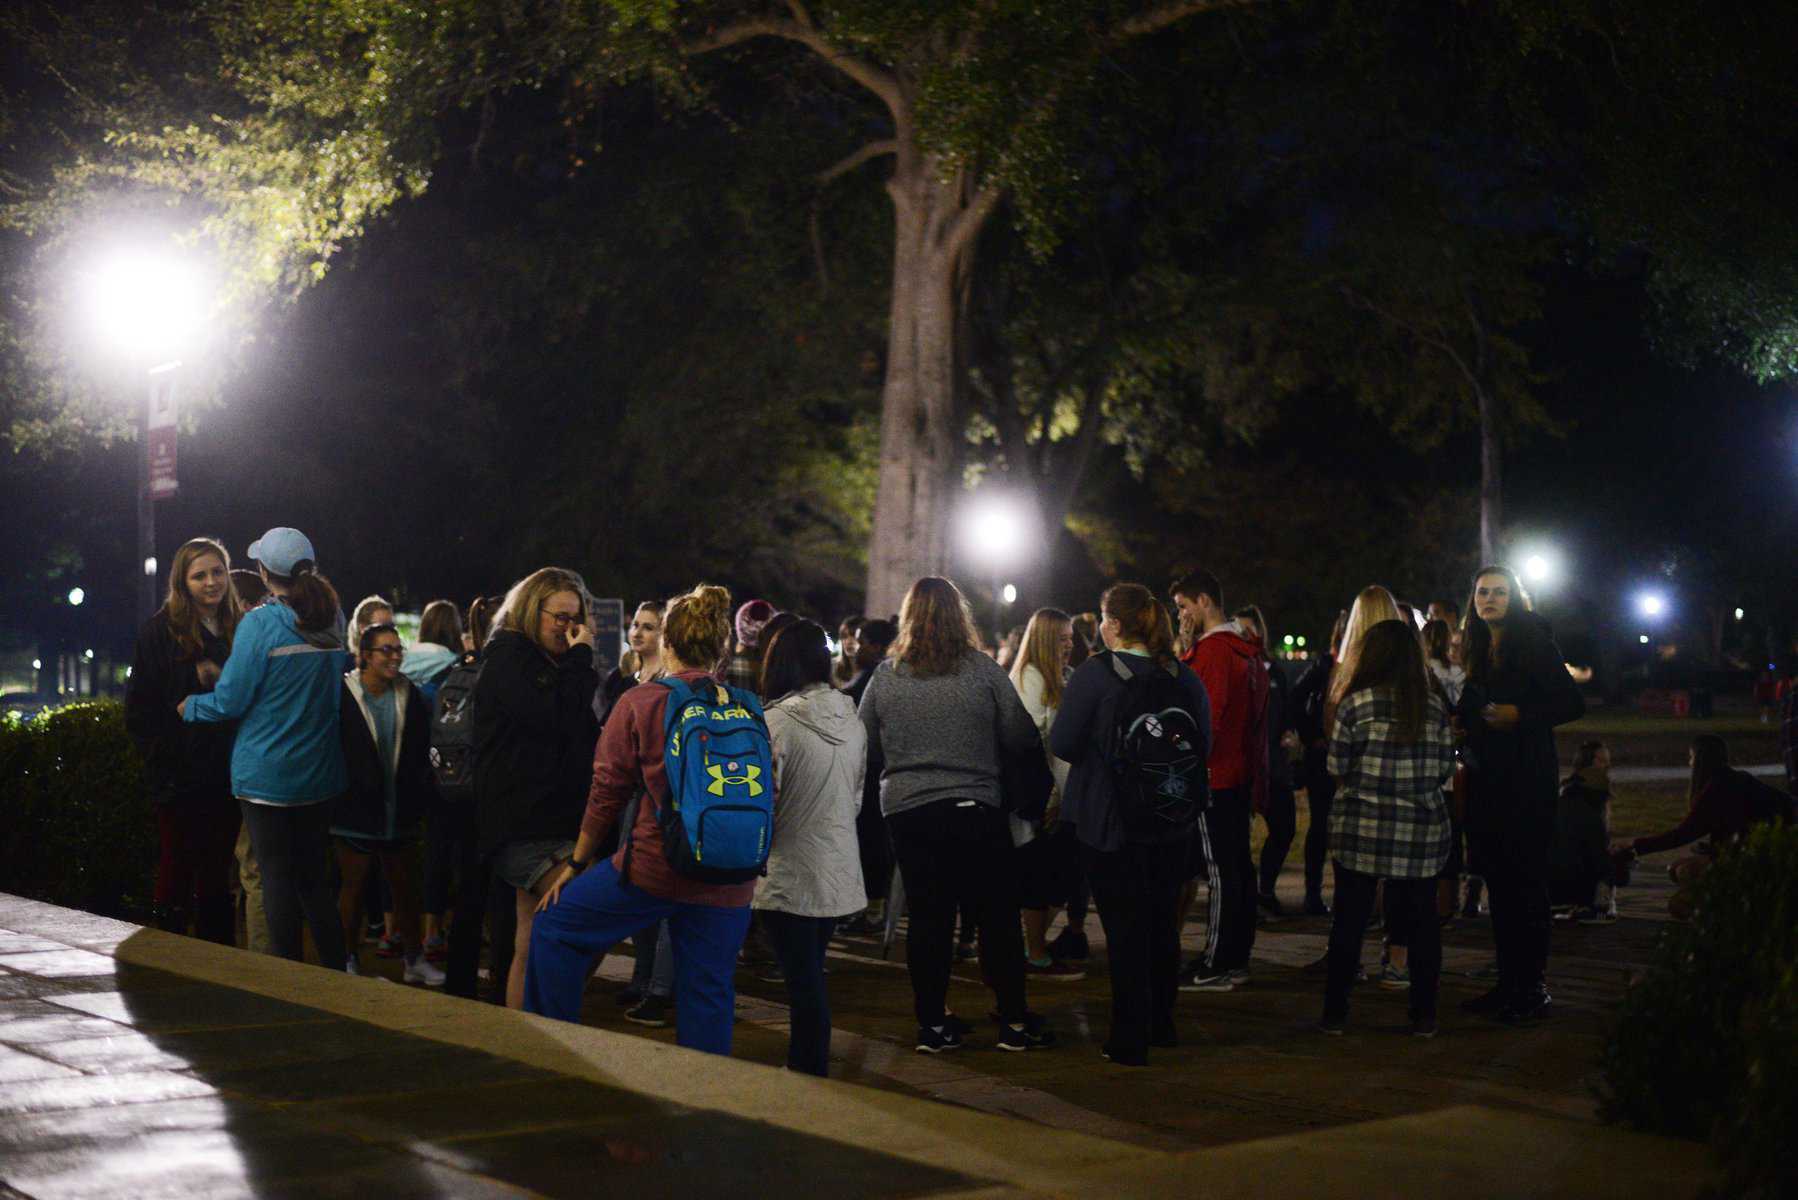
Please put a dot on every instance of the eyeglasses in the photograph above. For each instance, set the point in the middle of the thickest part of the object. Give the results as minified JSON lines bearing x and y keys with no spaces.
{"x":562,"y":620}
{"x":389,"y":651}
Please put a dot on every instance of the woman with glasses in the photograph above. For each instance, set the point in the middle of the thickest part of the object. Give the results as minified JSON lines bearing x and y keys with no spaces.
{"x":534,"y":733}
{"x":386,"y":732}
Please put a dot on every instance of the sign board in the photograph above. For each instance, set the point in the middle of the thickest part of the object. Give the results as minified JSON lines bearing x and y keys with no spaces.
{"x":608,"y":635}
{"x":159,"y":443}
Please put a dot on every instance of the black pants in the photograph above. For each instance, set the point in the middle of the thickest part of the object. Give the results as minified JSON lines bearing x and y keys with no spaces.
{"x":876,"y":849}
{"x":1320,"y":792}
{"x":1354,"y":903}
{"x":949,"y":852}
{"x":799,"y":945}
{"x":1282,"y":824}
{"x":441,"y":834}
{"x":457,"y":821}
{"x":1138,"y":890}
{"x":1223,"y":842}
{"x":1514,"y":861}
{"x":293,"y":845}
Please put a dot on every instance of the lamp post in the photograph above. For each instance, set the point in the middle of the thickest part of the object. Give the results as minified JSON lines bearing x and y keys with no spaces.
{"x":995,"y":535}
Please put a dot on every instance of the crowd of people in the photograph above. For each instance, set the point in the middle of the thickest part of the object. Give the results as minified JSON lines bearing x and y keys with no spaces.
{"x":738,"y":788}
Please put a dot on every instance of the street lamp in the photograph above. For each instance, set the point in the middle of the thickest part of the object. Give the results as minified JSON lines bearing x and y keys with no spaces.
{"x":1651,"y":604}
{"x":996,"y":532}
{"x":76,"y":596}
{"x":1541,"y":566}
{"x":149,"y":304}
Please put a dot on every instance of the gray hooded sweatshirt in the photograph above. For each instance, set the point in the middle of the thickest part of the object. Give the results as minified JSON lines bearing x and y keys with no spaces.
{"x":820,"y":757}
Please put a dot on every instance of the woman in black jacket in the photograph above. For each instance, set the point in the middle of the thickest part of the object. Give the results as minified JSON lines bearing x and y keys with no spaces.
{"x":180,"y":652}
{"x":386,"y":732}
{"x":534,"y":732}
{"x":1307,"y":701}
{"x":1517,"y":691}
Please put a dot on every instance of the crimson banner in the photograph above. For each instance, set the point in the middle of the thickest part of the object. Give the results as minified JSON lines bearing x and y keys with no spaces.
{"x":159,"y":445}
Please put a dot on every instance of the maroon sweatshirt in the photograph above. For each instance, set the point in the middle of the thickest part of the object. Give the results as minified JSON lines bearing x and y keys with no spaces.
{"x":629,"y":757}
{"x":1727,"y":807}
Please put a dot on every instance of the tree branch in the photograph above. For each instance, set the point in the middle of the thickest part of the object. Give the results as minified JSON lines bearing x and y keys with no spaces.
{"x":876,"y":79}
{"x":851,"y":161}
{"x":1163,"y":15}
{"x":1437,"y":343}
{"x":970,"y":220}
{"x":847,"y":164}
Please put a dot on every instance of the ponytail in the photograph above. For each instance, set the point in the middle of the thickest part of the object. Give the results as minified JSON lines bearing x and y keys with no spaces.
{"x":1141,"y":618}
{"x":310,"y":595}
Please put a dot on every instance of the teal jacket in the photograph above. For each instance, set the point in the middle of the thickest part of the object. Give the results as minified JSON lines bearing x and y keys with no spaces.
{"x":283,"y":686}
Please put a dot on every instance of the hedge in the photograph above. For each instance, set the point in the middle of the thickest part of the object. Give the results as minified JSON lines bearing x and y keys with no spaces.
{"x":76,"y":827}
{"x":1706,"y":1044}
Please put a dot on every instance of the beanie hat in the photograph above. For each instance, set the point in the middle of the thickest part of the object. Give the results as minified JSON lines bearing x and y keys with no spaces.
{"x":750,"y":618}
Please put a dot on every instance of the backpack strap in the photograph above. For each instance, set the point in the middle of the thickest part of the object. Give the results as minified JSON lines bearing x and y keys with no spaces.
{"x":1117,"y":664}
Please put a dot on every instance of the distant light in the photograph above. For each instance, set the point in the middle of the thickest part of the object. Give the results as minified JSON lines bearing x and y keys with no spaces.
{"x":1288,"y":639}
{"x":1740,"y":614}
{"x":37,"y":664}
{"x":1538,"y":569}
{"x":150,"y":565}
{"x":1643,"y":639}
{"x":1651,"y":604}
{"x":145,"y":301}
{"x":76,"y":596}
{"x":1301,"y":641}
{"x":88,"y":654}
{"x":996,"y":531}
{"x":1009,"y":593}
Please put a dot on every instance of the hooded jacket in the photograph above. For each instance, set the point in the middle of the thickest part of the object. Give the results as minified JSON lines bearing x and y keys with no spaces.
{"x":1230,"y":667}
{"x":426,"y":664}
{"x":361,"y":811}
{"x":1580,"y":854}
{"x":820,"y":757}
{"x":534,"y":733}
{"x":282,"y":685}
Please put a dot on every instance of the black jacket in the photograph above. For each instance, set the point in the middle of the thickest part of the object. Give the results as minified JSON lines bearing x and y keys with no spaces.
{"x":855,"y":689}
{"x":534,"y":734}
{"x":1279,"y":719}
{"x":182,"y":761}
{"x":1513,"y":774}
{"x":361,"y":812}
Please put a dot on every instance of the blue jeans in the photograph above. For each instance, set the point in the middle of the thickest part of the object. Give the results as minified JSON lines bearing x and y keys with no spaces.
{"x":800,"y":943}
{"x":653,"y":973}
{"x":597,"y":910}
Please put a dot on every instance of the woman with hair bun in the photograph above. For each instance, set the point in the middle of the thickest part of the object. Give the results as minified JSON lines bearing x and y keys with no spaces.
{"x":180,"y":651}
{"x":282,"y":684}
{"x":590,"y":906}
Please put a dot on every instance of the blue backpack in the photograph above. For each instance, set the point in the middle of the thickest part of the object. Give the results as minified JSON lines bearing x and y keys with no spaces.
{"x":718,"y":819}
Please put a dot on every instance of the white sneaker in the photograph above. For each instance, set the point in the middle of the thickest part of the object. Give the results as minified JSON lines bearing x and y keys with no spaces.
{"x":422,"y":970}
{"x":352,"y":966}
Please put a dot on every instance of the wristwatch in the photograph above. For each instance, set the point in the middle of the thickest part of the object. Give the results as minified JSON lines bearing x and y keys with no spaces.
{"x":577,"y":867}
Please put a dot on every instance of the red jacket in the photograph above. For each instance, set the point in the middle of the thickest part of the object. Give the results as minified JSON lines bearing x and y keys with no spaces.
{"x":629,"y":756}
{"x":1235,"y":679}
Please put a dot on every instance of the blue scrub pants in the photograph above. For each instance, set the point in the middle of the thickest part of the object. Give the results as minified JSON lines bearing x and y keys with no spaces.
{"x":596,"y":910}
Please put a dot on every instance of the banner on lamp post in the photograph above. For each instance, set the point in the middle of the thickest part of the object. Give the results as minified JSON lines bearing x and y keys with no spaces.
{"x":159,"y":443}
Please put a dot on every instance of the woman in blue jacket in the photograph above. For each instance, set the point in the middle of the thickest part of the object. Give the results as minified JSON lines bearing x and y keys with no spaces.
{"x":282,"y":684}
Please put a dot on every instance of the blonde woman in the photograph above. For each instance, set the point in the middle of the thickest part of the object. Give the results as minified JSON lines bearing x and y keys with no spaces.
{"x":1050,"y":861}
{"x":938,"y":713}
{"x":534,"y":733}
{"x":1373,"y":605}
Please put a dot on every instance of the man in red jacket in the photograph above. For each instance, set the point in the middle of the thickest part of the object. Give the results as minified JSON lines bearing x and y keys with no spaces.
{"x":1227,"y":661}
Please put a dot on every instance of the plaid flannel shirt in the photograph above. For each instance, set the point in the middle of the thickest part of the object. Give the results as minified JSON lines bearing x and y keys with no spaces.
{"x":1389,"y":818}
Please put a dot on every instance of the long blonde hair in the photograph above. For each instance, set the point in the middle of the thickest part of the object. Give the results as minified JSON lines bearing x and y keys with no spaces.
{"x":184,"y":621}
{"x":522,"y":609}
{"x":1041,"y":648}
{"x":696,"y":628}
{"x":936,"y":628}
{"x":1373,"y":605}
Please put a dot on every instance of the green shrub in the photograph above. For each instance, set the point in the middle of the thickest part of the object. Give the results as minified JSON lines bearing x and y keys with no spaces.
{"x":1706,"y":1045}
{"x":76,"y":827}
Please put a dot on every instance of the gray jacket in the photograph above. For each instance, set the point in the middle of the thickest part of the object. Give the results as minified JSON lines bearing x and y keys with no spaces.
{"x":939,"y":737}
{"x":820,"y":756}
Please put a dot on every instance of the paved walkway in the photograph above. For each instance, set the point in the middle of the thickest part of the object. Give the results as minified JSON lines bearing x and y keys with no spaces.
{"x":135,"y":1063}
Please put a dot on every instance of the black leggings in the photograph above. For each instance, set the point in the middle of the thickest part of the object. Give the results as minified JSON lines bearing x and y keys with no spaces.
{"x":293,"y":847}
{"x":1354,"y":903}
{"x":950,"y":852}
{"x":1320,"y":792}
{"x":1282,"y":824}
{"x":1514,"y":861}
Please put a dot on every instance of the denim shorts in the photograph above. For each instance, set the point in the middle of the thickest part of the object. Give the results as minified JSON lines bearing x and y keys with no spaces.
{"x":523,"y":865}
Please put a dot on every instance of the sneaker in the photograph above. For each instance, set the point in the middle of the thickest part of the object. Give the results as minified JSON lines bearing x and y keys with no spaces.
{"x":1122,"y":1059}
{"x":1423,"y":1027}
{"x":376,"y":929}
{"x":421,"y":970}
{"x":1270,"y":906}
{"x":1492,"y":1002}
{"x":959,"y":1027}
{"x":1054,"y":972}
{"x":389,"y":947}
{"x":1315,"y":906}
{"x":1070,"y":945}
{"x":436,"y":948}
{"x":628,"y":995}
{"x":1394,"y":978}
{"x":1332,"y":1026}
{"x":352,"y":965}
{"x":1032,"y":1033}
{"x":1531,"y":1006}
{"x":1561,"y":912}
{"x":771,"y":973}
{"x":1239,"y":977}
{"x":1204,"y":979}
{"x":964,"y":951}
{"x":653,"y":1012}
{"x":1595,"y":916}
{"x":938,"y":1040}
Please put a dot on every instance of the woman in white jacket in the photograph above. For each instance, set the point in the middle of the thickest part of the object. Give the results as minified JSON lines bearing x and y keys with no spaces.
{"x":1051,"y":857}
{"x":814,"y":868}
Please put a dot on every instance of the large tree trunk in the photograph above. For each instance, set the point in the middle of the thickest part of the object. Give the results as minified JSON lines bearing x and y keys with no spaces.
{"x":920,"y":425}
{"x":1491,"y":477}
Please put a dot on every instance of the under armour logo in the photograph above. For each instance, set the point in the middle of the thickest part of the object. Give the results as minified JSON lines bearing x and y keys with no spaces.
{"x":748,"y":778}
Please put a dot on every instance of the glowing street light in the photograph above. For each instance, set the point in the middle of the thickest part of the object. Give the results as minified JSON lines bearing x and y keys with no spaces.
{"x":1740,"y":614}
{"x":1643,"y":639}
{"x":996,"y":533}
{"x":1541,"y":566}
{"x":76,"y":596}
{"x":1651,"y":604}
{"x":1009,"y":593}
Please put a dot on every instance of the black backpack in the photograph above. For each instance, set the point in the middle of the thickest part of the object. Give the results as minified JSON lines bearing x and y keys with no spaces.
{"x":1161,"y":782}
{"x":452,"y":730}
